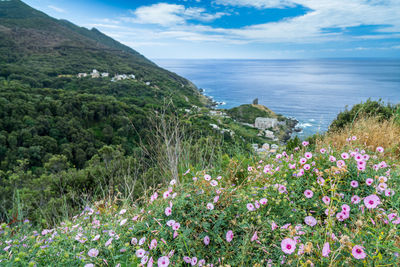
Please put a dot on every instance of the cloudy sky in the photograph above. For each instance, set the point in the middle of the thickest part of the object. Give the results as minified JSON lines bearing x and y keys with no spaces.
{"x":241,"y":28}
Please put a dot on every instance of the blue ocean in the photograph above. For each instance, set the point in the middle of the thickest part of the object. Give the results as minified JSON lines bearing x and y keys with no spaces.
{"x":312,"y":91}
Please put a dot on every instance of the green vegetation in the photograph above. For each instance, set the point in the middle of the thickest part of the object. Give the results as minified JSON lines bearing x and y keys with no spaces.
{"x":370,"y":109}
{"x":249,"y":112}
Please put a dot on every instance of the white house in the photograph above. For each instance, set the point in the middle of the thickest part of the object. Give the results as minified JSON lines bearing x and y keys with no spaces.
{"x":104,"y":74}
{"x":95,"y":74}
{"x":265,"y":123}
{"x":81,"y":75}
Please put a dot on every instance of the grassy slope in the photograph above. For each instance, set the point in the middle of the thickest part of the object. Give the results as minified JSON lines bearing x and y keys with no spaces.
{"x":256,"y":240}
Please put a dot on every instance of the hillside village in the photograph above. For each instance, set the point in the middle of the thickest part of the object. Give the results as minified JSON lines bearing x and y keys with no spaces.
{"x":117,"y":77}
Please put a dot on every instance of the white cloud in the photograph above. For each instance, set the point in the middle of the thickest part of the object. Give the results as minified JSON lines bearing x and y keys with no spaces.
{"x":171,"y":14}
{"x":258,"y":3}
{"x":59,"y":10}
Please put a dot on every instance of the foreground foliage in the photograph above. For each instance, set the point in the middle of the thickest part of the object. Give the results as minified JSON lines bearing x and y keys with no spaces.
{"x":325,"y":207}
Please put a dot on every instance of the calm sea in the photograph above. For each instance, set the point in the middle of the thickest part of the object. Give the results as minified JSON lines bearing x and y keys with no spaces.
{"x":312,"y":91}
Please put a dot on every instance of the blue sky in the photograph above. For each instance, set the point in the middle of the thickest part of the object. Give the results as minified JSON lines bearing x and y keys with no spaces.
{"x":241,"y":28}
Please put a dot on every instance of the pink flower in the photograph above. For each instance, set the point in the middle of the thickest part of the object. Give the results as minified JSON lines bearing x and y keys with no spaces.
{"x":123,"y":222}
{"x":175,"y":234}
{"x":303,"y":160}
{"x":307,"y":167}
{"x":326,"y":200}
{"x":380,"y":149}
{"x":310,"y":220}
{"x":263,"y":201}
{"x":140,"y":253}
{"x":207,"y":177}
{"x":305,"y":143}
{"x":288,"y":245}
{"x":282,"y":189}
{"x":254,"y":237}
{"x":358,"y":252}
{"x":355,"y":199}
{"x":193,"y":262}
{"x":340,"y":163}
{"x":122,"y":212}
{"x":210,"y":206}
{"x":213,"y":183}
{"x":354,"y":184}
{"x":326,"y":250}
{"x":322,"y":150}
{"x":108,"y":242}
{"x":274,"y":226}
{"x":206,"y":240}
{"x":176,"y":226}
{"x":93,"y":252}
{"x":372,"y":201}
{"x":153,"y":244}
{"x":389,"y":192}
{"x":170,"y":223}
{"x":96,"y":238}
{"x":345,"y":156}
{"x":369,"y":181}
{"x":250,"y":207}
{"x":332,"y":159}
{"x":320,"y":181}
{"x":229,"y":236}
{"x":163,"y":261}
{"x":168,"y":211}
{"x":133,"y":241}
{"x":308,"y":155}
{"x":187,"y":259}
{"x":308,"y":193}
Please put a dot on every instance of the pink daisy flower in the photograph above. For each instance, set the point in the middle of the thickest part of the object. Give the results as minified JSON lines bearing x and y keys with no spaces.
{"x":389,"y":192}
{"x":250,"y":207}
{"x":213,"y":183}
{"x":332,"y":159}
{"x":207,"y":177}
{"x":308,"y":193}
{"x":340,"y":163}
{"x":310,"y":220}
{"x":305,"y":143}
{"x":93,"y":252}
{"x":282,"y":189}
{"x":308,"y":155}
{"x":176,"y":226}
{"x":288,"y":245}
{"x":372,"y":201}
{"x":168,"y":211}
{"x":307,"y":167}
{"x":187,"y":259}
{"x":322,"y":150}
{"x":206,"y":240}
{"x":263,"y":201}
{"x":326,"y":200}
{"x":153,"y":244}
{"x":163,"y":261}
{"x":345,"y":155}
{"x":369,"y":181}
{"x":140,"y":253}
{"x":170,"y":223}
{"x":303,"y":160}
{"x":354,"y":184}
{"x":326,"y":250}
{"x":210,"y":206}
{"x":193,"y":261}
{"x":320,"y":181}
{"x":358,"y":252}
{"x":355,"y":199}
{"x":229,"y":236}
{"x":380,"y":149}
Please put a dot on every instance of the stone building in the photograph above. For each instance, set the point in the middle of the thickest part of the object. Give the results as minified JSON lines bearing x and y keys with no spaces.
{"x":265,"y":123}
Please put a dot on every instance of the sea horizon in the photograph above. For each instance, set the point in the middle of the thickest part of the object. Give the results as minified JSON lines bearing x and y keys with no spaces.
{"x":331,"y":84}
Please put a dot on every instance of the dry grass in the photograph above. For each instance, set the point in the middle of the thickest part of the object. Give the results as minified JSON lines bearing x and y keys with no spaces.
{"x":370,"y":133}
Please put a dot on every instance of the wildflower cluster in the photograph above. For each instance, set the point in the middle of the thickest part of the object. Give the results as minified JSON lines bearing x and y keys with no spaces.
{"x":313,"y":207}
